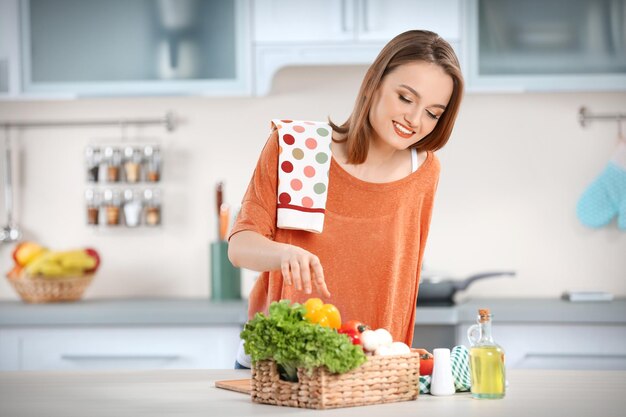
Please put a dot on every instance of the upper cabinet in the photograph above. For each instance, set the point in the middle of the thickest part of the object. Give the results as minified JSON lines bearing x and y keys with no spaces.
{"x":69,"y":48}
{"x":117,"y":47}
{"x":328,"y":32}
{"x":539,"y":45}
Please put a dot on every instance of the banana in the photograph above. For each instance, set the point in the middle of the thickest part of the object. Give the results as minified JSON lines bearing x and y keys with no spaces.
{"x":60,"y":264}
{"x":76,"y":260}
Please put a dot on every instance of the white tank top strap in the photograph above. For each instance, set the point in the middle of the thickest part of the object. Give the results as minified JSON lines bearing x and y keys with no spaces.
{"x":414,"y":160}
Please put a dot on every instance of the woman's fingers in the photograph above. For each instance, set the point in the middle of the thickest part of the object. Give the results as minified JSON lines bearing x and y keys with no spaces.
{"x":320,"y":282}
{"x":302,"y":269}
{"x":286,"y":273}
{"x":295,"y":273}
{"x":305,"y":275}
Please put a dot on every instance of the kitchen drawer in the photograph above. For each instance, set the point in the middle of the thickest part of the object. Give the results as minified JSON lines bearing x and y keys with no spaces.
{"x":559,"y":346}
{"x":119,"y":348}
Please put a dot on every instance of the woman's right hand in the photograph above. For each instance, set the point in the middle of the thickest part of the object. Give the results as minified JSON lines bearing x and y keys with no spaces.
{"x":302,"y":269}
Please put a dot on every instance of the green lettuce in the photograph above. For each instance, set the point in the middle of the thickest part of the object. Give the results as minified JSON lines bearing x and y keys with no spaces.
{"x":292,"y":342}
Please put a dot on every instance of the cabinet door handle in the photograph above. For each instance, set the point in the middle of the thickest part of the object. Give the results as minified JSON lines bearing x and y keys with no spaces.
{"x":119,"y":357}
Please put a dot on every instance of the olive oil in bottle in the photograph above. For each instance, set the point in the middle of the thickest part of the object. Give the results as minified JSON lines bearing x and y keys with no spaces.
{"x":486,"y":360}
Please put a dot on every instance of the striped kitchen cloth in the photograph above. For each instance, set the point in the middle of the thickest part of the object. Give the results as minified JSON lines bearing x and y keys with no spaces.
{"x":459,"y":356}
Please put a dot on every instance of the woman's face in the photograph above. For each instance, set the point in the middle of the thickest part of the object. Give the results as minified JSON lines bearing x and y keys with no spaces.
{"x":408,"y":103}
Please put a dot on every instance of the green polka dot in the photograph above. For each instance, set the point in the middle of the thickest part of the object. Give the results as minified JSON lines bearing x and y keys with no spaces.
{"x":298,"y":153}
{"x":321,"y":157}
{"x":322,"y":132}
{"x":319,"y":188}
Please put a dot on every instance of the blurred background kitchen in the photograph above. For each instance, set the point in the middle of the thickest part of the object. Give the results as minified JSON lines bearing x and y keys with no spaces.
{"x":199,"y":81}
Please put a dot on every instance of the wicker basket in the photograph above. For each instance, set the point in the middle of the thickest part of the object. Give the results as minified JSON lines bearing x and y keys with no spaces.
{"x":382,"y":379}
{"x":45,"y":290}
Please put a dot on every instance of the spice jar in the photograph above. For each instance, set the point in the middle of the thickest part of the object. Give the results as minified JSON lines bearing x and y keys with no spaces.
{"x":93,"y":207}
{"x":93,"y":157}
{"x":132,"y":164}
{"x":113,"y":160}
{"x":112,"y":207}
{"x":152,"y":157}
{"x":152,"y":202}
{"x":132,"y":208}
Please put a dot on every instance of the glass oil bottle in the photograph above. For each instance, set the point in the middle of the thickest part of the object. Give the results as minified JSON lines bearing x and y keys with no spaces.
{"x":486,"y":360}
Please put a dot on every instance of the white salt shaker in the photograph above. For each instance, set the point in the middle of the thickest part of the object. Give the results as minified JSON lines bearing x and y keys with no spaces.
{"x":442,"y":382}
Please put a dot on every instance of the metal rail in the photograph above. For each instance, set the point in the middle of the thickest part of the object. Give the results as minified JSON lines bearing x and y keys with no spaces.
{"x":169,"y":121}
{"x":584,"y":116}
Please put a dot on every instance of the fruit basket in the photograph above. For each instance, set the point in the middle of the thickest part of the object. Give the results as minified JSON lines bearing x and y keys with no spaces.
{"x":41,"y":275}
{"x":35,"y":289}
{"x":381,"y":379}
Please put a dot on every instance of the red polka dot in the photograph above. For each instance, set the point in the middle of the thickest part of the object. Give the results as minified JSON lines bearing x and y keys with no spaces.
{"x":289,"y":139}
{"x":311,"y":143}
{"x":309,"y":123}
{"x":286,"y":166}
{"x":307,"y":202}
{"x":296,"y":184}
{"x":287,"y":121}
{"x":284,"y":198}
{"x":309,"y":171}
{"x":298,"y":129}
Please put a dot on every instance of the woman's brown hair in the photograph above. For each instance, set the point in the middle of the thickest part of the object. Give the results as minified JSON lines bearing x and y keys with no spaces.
{"x":411,"y":46}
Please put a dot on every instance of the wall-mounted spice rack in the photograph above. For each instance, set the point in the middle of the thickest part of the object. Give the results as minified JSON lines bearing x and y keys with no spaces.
{"x":10,"y":232}
{"x":123,"y":184}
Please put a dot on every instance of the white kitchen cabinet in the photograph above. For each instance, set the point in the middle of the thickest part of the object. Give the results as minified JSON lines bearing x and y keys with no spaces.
{"x":9,"y":49}
{"x":293,"y":21}
{"x":558,"y":346}
{"x":92,"y":48}
{"x":545,"y":45}
{"x":154,"y":347}
{"x":339,"y":32}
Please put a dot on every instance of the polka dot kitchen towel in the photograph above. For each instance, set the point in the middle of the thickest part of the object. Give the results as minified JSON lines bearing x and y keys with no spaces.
{"x":303,"y":166}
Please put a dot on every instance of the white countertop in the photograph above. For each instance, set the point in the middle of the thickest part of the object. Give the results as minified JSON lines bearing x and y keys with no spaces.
{"x":531,"y":393}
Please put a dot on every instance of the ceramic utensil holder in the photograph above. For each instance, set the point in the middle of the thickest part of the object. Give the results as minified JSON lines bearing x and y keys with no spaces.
{"x":442,"y":381}
{"x":225,"y":278}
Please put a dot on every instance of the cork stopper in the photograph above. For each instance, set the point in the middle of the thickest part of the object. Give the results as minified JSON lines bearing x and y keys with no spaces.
{"x":484,"y":314}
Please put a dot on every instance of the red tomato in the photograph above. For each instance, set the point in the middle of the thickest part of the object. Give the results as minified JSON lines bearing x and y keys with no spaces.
{"x":355,"y":326}
{"x":354,"y":336}
{"x":426,"y":365}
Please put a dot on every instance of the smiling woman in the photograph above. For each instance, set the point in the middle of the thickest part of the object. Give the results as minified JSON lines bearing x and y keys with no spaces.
{"x":381,"y":182}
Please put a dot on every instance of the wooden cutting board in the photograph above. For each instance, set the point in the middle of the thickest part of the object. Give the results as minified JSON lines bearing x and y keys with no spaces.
{"x":237,"y":385}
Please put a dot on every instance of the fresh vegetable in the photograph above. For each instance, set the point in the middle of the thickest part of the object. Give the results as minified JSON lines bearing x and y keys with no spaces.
{"x":354,"y":336}
{"x":396,"y":348}
{"x":426,"y":362}
{"x":355,"y":326}
{"x":373,"y":339}
{"x":426,"y":365}
{"x":400,"y":348}
{"x":294,"y":342}
{"x":384,"y":337}
{"x":369,"y":340}
{"x":326,"y":315}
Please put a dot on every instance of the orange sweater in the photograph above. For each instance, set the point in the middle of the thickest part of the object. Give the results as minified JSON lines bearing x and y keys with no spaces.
{"x":371,"y":248}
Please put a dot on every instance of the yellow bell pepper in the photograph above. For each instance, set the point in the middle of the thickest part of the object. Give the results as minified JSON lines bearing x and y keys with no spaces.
{"x":326,"y":315}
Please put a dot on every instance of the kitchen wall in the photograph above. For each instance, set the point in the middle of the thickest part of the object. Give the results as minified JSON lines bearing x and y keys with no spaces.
{"x":511,"y":176}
